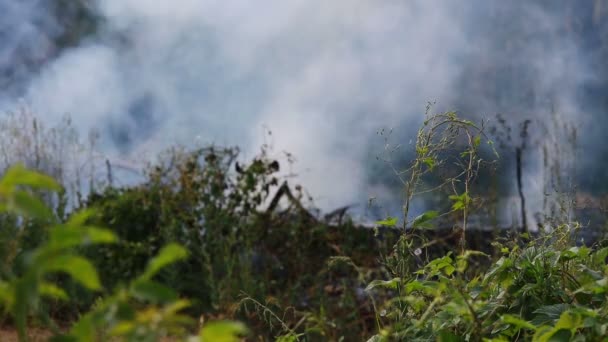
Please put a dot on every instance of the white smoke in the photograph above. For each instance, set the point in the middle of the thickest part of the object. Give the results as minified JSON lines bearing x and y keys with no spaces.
{"x":323,"y":76}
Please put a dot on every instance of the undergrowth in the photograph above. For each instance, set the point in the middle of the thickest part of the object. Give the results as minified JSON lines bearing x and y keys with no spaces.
{"x":207,"y":240}
{"x":539,"y":287}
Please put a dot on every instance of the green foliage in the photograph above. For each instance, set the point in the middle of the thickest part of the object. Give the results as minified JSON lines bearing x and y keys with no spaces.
{"x":389,"y":222}
{"x":539,"y":292}
{"x":546,"y":289}
{"x":204,"y":227}
{"x":424,"y":220}
{"x":214,"y":207}
{"x":193,"y":198}
{"x":144,"y":311}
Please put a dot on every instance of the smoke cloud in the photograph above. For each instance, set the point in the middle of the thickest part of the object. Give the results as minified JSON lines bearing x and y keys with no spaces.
{"x":323,"y":76}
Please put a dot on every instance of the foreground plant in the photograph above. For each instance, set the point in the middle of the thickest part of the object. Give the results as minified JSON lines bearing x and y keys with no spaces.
{"x":542,"y":292}
{"x":145,"y":310}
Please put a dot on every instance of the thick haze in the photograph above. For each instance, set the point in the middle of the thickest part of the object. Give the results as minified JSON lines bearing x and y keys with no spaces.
{"x":323,"y":76}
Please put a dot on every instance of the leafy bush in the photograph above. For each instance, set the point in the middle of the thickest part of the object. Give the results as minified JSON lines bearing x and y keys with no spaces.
{"x":191,"y":198}
{"x":541,"y":292}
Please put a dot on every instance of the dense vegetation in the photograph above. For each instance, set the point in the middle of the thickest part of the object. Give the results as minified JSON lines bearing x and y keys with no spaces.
{"x":208,"y":248}
{"x":205,"y":242}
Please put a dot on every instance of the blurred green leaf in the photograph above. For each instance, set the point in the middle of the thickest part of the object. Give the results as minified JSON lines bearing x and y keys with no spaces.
{"x":548,"y":334}
{"x":77,"y":267}
{"x":152,"y":291}
{"x":84,"y":329}
{"x":6,"y":294}
{"x":448,"y":336}
{"x":176,"y":306}
{"x":52,"y":291}
{"x":389,"y":222}
{"x":570,"y":321}
{"x":477,"y":141}
{"x":80,"y":217}
{"x":167,"y":255}
{"x":19,"y":175}
{"x":123,"y":328}
{"x":223,"y":331}
{"x":518,"y":322}
{"x":65,"y":236}
{"x":30,"y":206}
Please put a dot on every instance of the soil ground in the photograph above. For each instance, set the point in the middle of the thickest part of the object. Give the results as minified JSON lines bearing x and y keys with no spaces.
{"x":8,"y":334}
{"x":34,"y":335}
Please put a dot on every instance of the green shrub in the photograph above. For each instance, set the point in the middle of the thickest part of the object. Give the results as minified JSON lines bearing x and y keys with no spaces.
{"x":537,"y":287}
{"x":541,"y":292}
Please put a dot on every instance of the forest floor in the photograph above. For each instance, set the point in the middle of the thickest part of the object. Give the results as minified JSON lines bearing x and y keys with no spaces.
{"x":8,"y":334}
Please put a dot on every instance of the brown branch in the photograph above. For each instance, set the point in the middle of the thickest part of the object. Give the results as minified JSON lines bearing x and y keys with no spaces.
{"x":284,"y":190}
{"x":522,"y":198}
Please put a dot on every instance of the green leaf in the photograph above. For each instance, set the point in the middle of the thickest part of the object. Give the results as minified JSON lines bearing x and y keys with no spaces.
{"x":448,"y":336}
{"x":123,"y":328}
{"x":19,"y":175}
{"x":477,"y":141}
{"x":6,"y":294}
{"x":548,"y":334}
{"x":223,"y":331}
{"x":66,"y":236}
{"x":549,"y":313}
{"x":518,"y":322}
{"x":152,"y":291}
{"x":176,"y":306}
{"x":441,"y":264}
{"x":84,"y":329}
{"x":471,"y":253}
{"x":167,"y":255}
{"x":391,"y":284}
{"x":389,"y":222}
{"x":460,"y":201}
{"x":422,"y":221}
{"x":80,"y":217}
{"x":52,"y":291}
{"x":77,"y":267}
{"x":424,"y":287}
{"x":500,"y":270}
{"x":462,"y":261}
{"x":422,"y":150}
{"x":429,"y":162}
{"x":569,"y":321}
{"x":30,"y":206}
